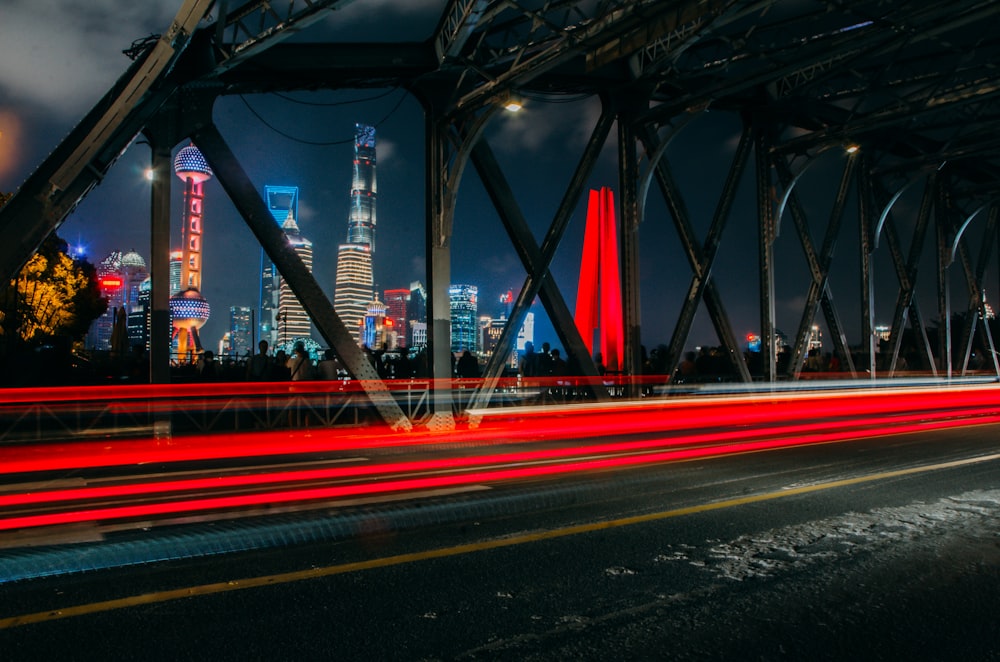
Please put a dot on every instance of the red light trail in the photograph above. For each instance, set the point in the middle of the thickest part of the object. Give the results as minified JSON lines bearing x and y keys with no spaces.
{"x":697,"y":428}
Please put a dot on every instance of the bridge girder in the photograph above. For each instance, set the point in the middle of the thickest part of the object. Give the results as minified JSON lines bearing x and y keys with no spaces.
{"x":912,"y":83}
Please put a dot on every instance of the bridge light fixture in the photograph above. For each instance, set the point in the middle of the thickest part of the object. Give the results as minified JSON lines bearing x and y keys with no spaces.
{"x":513,"y":104}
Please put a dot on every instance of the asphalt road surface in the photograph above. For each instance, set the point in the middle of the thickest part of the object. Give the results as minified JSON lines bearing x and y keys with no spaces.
{"x":886,"y":548}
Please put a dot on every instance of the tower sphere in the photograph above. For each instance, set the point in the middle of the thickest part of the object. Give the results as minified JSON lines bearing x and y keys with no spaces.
{"x":191,"y":164}
{"x":189,"y":309}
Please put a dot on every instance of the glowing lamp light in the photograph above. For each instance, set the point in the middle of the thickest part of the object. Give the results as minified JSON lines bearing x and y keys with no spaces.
{"x":149,"y":174}
{"x":513,"y":105}
{"x":852,"y":149}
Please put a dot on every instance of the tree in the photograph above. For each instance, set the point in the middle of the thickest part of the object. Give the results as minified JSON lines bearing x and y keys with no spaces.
{"x":53,"y":295}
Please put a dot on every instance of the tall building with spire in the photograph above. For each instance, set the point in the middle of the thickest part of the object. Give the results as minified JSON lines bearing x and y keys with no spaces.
{"x":188,"y":309}
{"x":355,"y":282}
{"x":292,"y":320}
{"x":280,"y":201}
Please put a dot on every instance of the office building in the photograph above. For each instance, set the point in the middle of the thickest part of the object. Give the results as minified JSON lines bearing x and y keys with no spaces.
{"x":364,"y":189}
{"x":396,"y":302}
{"x":416,"y":313}
{"x":240,"y":331}
{"x":354,"y":282}
{"x":464,"y":303}
{"x":280,"y":201}
{"x":354,"y":285}
{"x":292,"y":320}
{"x":375,"y":328}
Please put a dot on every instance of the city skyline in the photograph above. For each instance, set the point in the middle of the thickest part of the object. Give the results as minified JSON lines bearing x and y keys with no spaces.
{"x":303,"y":137}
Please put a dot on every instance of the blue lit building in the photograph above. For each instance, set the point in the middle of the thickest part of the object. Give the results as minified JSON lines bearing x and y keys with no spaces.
{"x":240,"y":331}
{"x":464,"y":300}
{"x":364,"y":190}
{"x":280,"y":201}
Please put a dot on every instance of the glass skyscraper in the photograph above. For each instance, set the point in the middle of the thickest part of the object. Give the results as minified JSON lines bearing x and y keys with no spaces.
{"x":240,"y":337}
{"x":355,"y":283}
{"x":464,"y":300}
{"x":364,"y":190}
{"x":293,"y":323}
{"x":280,"y":201}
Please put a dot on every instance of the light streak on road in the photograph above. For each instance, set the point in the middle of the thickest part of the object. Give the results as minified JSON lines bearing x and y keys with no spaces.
{"x":670,"y":431}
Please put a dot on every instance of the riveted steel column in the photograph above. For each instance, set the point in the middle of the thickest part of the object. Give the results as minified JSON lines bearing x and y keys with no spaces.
{"x":765,"y":246}
{"x":985,"y":250}
{"x":159,"y":264}
{"x":942,"y":222}
{"x":438,"y":275}
{"x":628,"y":180}
{"x":865,"y":217}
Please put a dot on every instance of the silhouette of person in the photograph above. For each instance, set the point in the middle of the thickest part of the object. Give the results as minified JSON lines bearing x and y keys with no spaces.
{"x":468,"y":366}
{"x":259,"y":365}
{"x":299,"y":365}
{"x":208,"y":369}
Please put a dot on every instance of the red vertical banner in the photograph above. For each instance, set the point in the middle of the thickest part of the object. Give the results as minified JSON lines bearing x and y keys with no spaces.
{"x":587,"y":290}
{"x":599,"y":293}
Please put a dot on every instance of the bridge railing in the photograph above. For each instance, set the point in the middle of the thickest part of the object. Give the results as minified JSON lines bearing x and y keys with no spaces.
{"x":143,"y":410}
{"x":127,"y":410}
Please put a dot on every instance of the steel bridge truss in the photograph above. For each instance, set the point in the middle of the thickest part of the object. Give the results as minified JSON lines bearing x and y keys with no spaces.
{"x":911,"y":87}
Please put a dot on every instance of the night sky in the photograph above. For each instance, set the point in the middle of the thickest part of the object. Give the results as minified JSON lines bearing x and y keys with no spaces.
{"x":57,"y":59}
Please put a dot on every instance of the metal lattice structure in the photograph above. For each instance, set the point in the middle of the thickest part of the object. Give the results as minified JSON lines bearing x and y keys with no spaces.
{"x":911,"y":85}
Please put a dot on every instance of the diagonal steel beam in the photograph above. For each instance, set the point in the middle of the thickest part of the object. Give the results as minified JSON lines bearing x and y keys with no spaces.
{"x":907,"y":275}
{"x":537,"y":259}
{"x":698,"y":263}
{"x":819,"y":264}
{"x":458,"y":22}
{"x":254,"y":211}
{"x":81,"y":160}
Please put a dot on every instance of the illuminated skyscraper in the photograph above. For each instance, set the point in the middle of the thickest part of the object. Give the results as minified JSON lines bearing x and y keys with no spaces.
{"x":292,"y":320}
{"x":112,"y":284}
{"x":464,"y":300}
{"x":240,"y":336}
{"x":280,"y":201}
{"x":355,"y":285}
{"x":416,"y":314}
{"x":134,"y":274}
{"x":375,"y":330}
{"x":364,"y":190}
{"x":120,"y":276}
{"x":396,"y":302}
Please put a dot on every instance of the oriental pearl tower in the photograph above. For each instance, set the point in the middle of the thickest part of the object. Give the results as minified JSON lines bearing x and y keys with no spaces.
{"x":188,"y":308}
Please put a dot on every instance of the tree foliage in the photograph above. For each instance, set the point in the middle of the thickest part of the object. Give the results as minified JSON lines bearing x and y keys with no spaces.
{"x":53,"y":295}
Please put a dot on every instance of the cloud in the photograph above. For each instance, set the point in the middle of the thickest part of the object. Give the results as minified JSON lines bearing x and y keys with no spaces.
{"x":59,"y":58}
{"x":387,"y":149}
{"x":540,"y":125}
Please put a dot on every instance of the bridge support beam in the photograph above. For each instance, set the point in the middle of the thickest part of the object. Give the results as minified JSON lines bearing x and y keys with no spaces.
{"x":254,"y":211}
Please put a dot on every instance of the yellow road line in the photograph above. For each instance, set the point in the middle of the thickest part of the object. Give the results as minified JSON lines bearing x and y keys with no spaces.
{"x":315,"y":573}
